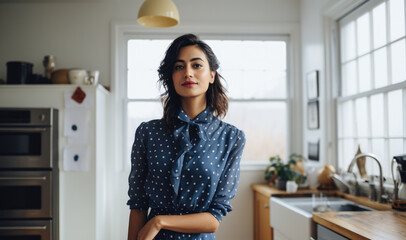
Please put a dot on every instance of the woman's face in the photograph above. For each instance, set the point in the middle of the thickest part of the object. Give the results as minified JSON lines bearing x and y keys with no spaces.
{"x":191,"y":73}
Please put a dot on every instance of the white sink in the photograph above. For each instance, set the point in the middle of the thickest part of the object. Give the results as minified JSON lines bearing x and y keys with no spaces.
{"x":291,"y":218}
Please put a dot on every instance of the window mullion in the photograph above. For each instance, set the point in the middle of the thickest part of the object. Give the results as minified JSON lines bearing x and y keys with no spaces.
{"x":354,"y":121}
{"x":386,"y":126}
{"x":356,"y":57}
{"x":404,"y":118}
{"x":369,"y":117}
{"x":371,"y":42}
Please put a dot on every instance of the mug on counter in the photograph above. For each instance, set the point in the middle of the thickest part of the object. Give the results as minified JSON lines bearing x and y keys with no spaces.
{"x":78,"y":76}
{"x":291,"y":186}
{"x":93,"y":77}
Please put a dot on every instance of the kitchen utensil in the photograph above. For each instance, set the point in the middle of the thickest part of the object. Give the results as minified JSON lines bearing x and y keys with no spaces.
{"x":323,"y":176}
{"x":77,"y":76}
{"x":340,"y":183}
{"x":19,"y":72}
{"x":400,"y":179}
{"x":60,"y":76}
{"x":361,"y":165}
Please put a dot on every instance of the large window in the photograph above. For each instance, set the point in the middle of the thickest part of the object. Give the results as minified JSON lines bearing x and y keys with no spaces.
{"x":255,"y":74}
{"x":372,"y":105}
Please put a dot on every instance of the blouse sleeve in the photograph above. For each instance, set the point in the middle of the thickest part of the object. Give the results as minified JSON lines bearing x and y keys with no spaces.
{"x":228,"y":183}
{"x":139,"y":168}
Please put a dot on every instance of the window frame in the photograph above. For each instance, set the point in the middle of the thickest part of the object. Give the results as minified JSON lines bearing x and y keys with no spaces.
{"x":332,"y":15}
{"x":122,"y":32}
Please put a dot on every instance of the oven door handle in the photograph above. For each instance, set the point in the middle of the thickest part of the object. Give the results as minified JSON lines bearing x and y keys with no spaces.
{"x":21,"y":129}
{"x":23,"y":228}
{"x":23,"y":178}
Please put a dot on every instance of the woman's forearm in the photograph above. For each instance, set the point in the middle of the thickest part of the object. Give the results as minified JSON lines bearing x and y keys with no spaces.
{"x":136,"y":222}
{"x":191,"y":223}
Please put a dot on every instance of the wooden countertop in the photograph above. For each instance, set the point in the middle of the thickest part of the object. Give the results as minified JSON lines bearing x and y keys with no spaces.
{"x":271,"y":191}
{"x":382,"y":224}
{"x":365,"y":225}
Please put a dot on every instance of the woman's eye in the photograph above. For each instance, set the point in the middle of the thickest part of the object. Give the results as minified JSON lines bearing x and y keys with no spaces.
{"x":178,"y":67}
{"x":197,"y":65}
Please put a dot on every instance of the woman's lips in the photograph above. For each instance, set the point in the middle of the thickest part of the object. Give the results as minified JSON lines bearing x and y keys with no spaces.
{"x":188,"y":84}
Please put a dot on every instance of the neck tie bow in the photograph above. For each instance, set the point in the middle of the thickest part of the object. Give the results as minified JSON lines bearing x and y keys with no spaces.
{"x":182,"y":136}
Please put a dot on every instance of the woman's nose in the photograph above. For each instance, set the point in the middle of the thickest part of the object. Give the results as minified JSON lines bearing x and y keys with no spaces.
{"x":188,"y":73}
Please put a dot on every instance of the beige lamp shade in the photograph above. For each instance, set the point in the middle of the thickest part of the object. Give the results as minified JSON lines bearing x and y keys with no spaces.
{"x":158,"y":14}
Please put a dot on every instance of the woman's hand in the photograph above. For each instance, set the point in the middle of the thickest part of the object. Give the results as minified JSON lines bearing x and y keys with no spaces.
{"x":150,"y":229}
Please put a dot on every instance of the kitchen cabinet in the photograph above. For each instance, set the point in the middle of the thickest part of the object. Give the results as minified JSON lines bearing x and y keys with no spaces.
{"x":262,"y":210}
{"x":262,"y":225}
{"x":82,"y":194}
{"x":324,"y":233}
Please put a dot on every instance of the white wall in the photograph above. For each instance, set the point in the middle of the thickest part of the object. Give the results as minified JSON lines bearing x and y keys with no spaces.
{"x":78,"y":34}
{"x":312,"y":43}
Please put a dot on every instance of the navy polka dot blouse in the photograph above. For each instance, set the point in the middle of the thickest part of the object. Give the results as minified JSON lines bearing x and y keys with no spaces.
{"x":194,"y":169}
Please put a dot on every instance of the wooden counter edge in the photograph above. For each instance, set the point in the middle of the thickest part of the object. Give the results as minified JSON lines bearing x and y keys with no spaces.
{"x":265,"y":189}
{"x":337,"y":228}
{"x":269,"y":191}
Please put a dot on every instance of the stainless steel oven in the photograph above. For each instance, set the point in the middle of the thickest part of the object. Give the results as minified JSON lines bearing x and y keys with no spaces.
{"x":29,"y":174}
{"x":26,"y":194}
{"x":27,"y":138}
{"x":26,"y":230}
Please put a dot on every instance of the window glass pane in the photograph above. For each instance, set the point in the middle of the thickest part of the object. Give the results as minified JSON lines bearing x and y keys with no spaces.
{"x":348,"y":42}
{"x":396,"y":147}
{"x":340,"y":155}
{"x":143,"y":59}
{"x":262,"y":73}
{"x":138,"y":112}
{"x":380,"y":68}
{"x":363,"y":34}
{"x":349,"y":79}
{"x":348,"y":119}
{"x":364,"y":73}
{"x":340,"y":119}
{"x":364,"y":145}
{"x":379,"y":25}
{"x":378,"y":148}
{"x":398,"y":61}
{"x":349,"y":150}
{"x":397,"y":19}
{"x":264,"y":124}
{"x":377,"y":115}
{"x":395,"y":114}
{"x":361,"y":117}
{"x":143,"y":84}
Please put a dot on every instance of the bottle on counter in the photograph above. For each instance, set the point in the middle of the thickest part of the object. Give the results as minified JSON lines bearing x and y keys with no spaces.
{"x":49,"y":64}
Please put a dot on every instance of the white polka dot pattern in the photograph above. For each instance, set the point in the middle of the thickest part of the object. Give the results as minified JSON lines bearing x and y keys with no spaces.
{"x":194,"y":169}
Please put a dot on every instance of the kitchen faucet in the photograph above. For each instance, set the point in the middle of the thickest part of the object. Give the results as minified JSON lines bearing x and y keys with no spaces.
{"x":381,"y":197}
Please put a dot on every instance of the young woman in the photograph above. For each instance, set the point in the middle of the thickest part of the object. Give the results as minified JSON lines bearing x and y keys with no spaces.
{"x":185,"y":166}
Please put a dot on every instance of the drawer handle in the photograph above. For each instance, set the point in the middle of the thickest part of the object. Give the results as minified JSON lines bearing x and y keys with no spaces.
{"x":23,"y":178}
{"x":266,"y":205}
{"x":24,"y":228}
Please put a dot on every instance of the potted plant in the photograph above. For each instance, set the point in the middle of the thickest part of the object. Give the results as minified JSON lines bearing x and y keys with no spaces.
{"x":281,"y":172}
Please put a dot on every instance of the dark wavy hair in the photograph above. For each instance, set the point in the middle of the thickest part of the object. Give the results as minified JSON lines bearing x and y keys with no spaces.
{"x":216,"y":97}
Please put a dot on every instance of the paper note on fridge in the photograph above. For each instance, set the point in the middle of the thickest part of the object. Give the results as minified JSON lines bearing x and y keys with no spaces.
{"x":76,"y":158}
{"x":77,"y":124}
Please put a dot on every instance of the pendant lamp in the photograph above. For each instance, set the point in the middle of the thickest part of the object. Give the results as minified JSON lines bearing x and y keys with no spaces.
{"x":158,"y":14}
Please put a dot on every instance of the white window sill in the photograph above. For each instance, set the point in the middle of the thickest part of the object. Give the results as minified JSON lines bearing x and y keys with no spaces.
{"x":253,"y":166}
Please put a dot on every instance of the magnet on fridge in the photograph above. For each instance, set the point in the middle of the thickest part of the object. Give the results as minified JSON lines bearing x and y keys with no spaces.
{"x":76,"y":158}
{"x":77,"y":124}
